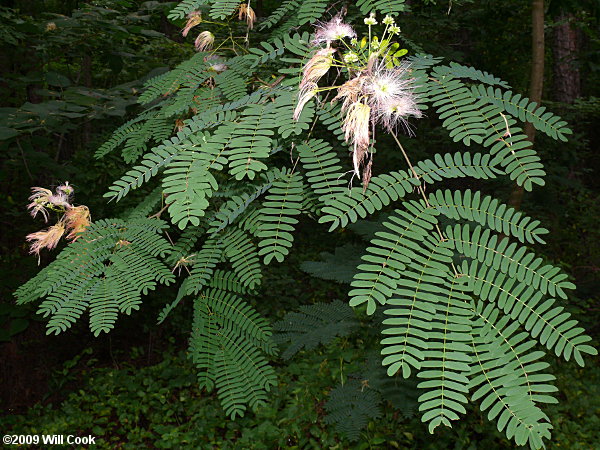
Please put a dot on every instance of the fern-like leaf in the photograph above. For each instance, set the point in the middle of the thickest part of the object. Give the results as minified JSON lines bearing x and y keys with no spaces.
{"x":350,"y":408}
{"x":314,"y":325}
{"x":227,"y":345}
{"x":525,"y":110}
{"x":282,"y":203}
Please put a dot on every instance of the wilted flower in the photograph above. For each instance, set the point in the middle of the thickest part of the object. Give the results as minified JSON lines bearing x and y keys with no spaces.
{"x":46,"y":239}
{"x":246,"y":12}
{"x":76,"y":219}
{"x":307,"y":91}
{"x":204,"y":41}
{"x":194,"y":18}
{"x":317,"y":66}
{"x":356,"y":129}
{"x":333,"y":30}
{"x":350,"y":91}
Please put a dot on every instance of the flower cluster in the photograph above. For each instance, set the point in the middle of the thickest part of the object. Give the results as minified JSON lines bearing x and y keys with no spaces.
{"x":331,"y":31}
{"x":74,"y":219}
{"x":379,"y":89}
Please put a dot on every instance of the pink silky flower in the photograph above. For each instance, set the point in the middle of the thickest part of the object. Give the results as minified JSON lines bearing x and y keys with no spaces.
{"x":46,"y":239}
{"x":76,"y":219}
{"x":391,"y":95}
{"x":333,"y":30}
{"x":306,"y":92}
{"x":194,"y":18}
{"x":66,"y":189}
{"x":59,"y":199}
{"x":204,"y":41}
{"x":317,"y":66}
{"x":39,"y":200}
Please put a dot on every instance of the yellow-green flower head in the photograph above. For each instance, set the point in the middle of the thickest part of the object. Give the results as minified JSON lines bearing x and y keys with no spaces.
{"x":354,"y":41}
{"x":394,"y":29}
{"x":371,"y":20}
{"x":388,"y":20}
{"x":350,"y":57}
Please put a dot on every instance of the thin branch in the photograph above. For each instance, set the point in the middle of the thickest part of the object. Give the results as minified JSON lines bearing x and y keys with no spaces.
{"x":421,"y":191}
{"x":24,"y":160}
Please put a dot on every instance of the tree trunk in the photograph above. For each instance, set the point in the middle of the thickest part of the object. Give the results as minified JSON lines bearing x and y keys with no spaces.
{"x":537,"y":81}
{"x":567,"y":86}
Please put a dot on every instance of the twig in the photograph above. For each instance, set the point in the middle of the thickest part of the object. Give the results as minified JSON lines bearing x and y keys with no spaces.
{"x":24,"y":160}
{"x":421,"y":191}
{"x":157,"y":215}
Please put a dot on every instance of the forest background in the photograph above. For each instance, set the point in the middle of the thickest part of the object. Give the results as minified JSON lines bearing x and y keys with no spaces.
{"x":69,"y":75}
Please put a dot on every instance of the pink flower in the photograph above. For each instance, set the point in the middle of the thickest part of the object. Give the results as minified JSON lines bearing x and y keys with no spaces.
{"x":333,"y":30}
{"x":40,"y":198}
{"x":46,"y":239}
{"x":204,"y":41}
{"x":76,"y":219}
{"x":356,"y":129}
{"x":194,"y":18}
{"x":66,"y":189}
{"x":306,"y":92}
{"x":391,"y":94}
{"x":317,"y":66}
{"x":59,"y":199}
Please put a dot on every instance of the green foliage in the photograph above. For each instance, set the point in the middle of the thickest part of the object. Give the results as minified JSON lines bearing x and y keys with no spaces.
{"x":488,"y":211}
{"x":525,"y":110}
{"x":222,"y":9}
{"x":350,"y":407}
{"x":314,"y":325}
{"x":227,"y":340}
{"x":286,"y":7}
{"x":133,"y":405}
{"x":185,"y":7}
{"x":383,"y":6}
{"x":339,"y":266}
{"x":282,"y":203}
{"x":461,"y":306}
{"x":107,"y":271}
